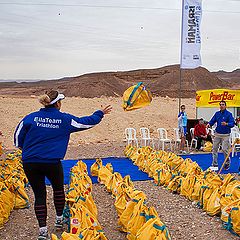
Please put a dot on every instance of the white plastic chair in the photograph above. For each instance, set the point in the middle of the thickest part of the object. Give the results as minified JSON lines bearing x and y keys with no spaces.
{"x":194,"y":140}
{"x":233,"y":136}
{"x":177,"y":139}
{"x":163,"y":138}
{"x":131,"y":136}
{"x":145,"y":137}
{"x":210,"y":131}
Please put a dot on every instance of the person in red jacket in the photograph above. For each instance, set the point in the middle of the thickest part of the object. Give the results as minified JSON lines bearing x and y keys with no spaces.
{"x":200,"y":133}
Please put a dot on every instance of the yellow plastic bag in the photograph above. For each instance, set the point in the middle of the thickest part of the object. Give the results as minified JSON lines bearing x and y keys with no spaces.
{"x":96,"y":166}
{"x":230,"y":216}
{"x":54,"y":237}
{"x":82,"y":218}
{"x":113,"y":182}
{"x":69,"y":236}
{"x":104,"y":174}
{"x":163,"y":176}
{"x":126,"y":183}
{"x":213,"y":206}
{"x":121,"y":201}
{"x":137,"y":219}
{"x":81,"y":166}
{"x":6,"y":203}
{"x":126,"y":215}
{"x":1,"y":149}
{"x":187,"y":186}
{"x":207,"y":147}
{"x":227,"y":179}
{"x":153,"y":229}
{"x":231,"y":195}
{"x":135,"y":97}
{"x":21,"y":197}
{"x":92,"y":234}
{"x":87,"y":202}
{"x":175,"y":184}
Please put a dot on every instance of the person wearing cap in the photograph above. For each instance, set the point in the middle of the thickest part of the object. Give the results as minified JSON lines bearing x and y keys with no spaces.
{"x":200,"y":133}
{"x":43,"y":137}
{"x":225,"y":121}
{"x":182,"y":126}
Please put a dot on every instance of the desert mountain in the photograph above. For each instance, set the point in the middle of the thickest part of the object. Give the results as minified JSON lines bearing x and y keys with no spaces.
{"x":232,"y":78}
{"x":161,"y":81}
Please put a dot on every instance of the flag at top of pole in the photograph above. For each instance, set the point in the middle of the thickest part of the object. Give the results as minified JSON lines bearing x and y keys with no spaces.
{"x":190,"y":34}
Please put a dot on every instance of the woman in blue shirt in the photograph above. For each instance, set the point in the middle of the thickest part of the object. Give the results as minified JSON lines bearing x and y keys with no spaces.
{"x":43,"y":137}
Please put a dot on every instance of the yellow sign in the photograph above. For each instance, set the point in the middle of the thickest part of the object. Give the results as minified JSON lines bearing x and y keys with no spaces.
{"x":211,"y":98}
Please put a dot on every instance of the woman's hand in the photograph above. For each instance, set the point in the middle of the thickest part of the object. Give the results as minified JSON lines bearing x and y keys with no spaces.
{"x":107,"y":109}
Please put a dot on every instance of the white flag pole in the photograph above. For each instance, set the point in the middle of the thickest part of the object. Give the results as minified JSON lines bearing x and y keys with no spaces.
{"x":190,"y":38}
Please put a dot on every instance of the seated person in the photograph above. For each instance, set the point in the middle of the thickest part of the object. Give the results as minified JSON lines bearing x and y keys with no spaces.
{"x":200,"y":133}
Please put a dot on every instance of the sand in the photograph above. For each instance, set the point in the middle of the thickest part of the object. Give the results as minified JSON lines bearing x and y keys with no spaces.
{"x":161,"y":113}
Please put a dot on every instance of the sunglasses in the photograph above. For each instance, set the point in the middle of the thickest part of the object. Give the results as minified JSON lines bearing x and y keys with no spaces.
{"x":222,"y":104}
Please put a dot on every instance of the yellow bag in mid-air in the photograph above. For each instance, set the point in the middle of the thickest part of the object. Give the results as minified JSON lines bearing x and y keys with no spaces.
{"x":135,"y":97}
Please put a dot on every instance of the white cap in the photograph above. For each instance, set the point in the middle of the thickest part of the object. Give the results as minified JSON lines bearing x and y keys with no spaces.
{"x":60,"y":96}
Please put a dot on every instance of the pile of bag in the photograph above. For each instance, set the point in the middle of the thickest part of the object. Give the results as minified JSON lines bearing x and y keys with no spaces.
{"x":12,"y":185}
{"x":82,"y":211}
{"x":139,"y":221}
{"x":1,"y":149}
{"x":216,"y":195}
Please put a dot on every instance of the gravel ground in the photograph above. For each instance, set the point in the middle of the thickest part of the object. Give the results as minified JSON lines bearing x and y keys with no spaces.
{"x":183,"y":219}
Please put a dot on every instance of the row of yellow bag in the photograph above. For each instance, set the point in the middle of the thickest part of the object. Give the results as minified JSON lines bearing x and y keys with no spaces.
{"x":12,"y":185}
{"x":139,"y":221}
{"x":83,"y":213}
{"x":1,"y":149}
{"x":216,"y":195}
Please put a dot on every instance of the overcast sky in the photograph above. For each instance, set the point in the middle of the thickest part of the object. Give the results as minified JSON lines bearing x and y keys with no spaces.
{"x":43,"y":39}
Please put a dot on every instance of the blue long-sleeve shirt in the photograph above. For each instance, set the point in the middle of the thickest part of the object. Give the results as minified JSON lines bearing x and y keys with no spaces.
{"x":222,"y":116}
{"x":44,"y":135}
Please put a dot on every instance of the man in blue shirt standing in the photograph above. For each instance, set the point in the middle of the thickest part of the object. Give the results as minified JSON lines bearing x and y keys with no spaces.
{"x":225,"y":122}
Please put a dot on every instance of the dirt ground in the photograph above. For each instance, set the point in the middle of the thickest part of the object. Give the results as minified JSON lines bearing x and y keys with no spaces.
{"x":184,"y":220}
{"x":161,"y":113}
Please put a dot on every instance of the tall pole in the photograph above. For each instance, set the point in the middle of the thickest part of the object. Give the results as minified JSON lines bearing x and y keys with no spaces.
{"x":180,"y":90}
{"x":180,"y":69}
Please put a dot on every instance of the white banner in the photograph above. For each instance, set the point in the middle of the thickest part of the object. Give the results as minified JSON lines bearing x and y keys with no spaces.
{"x":190,"y":36}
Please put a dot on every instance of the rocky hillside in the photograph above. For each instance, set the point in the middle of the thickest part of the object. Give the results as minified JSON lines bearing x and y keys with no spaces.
{"x":161,"y":81}
{"x":232,"y":78}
